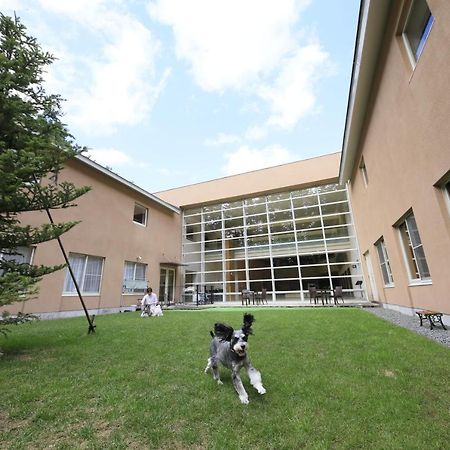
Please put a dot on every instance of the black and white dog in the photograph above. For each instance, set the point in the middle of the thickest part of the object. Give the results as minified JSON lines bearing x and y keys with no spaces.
{"x":229,"y":347}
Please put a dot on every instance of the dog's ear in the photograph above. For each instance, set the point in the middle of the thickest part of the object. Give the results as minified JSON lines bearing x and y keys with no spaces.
{"x":223,"y":332}
{"x":248,"y":321}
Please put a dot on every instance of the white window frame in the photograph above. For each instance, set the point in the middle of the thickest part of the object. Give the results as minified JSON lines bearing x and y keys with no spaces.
{"x":143,"y":224}
{"x":423,"y":38}
{"x":363,"y":169}
{"x":82,"y":280}
{"x":383,"y":259}
{"x":133,"y":291}
{"x":410,"y":253}
{"x":446,"y":190}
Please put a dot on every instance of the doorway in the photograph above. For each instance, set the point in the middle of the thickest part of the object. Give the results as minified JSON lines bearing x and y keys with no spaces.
{"x":166,"y":285}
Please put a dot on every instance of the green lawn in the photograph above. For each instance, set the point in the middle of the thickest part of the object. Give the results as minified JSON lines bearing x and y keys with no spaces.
{"x":335,"y":379}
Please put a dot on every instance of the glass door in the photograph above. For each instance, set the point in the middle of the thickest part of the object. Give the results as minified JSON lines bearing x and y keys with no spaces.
{"x":166,"y":285}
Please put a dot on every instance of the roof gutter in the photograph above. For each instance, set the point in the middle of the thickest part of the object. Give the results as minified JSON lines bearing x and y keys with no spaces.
{"x":118,"y":178}
{"x":373,"y":15}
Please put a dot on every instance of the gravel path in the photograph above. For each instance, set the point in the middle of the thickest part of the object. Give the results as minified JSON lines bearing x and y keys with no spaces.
{"x":412,"y":323}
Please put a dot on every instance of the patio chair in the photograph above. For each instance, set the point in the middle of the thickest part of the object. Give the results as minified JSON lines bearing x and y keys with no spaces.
{"x":261,"y":297}
{"x":313,"y":294}
{"x":358,"y":285}
{"x":245,"y":297}
{"x":337,"y":294}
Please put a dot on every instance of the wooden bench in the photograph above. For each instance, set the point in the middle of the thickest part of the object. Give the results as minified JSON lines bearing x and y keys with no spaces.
{"x":435,"y":318}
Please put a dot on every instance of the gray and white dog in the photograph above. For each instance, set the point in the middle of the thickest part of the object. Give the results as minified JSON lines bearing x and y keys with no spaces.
{"x":229,"y":347}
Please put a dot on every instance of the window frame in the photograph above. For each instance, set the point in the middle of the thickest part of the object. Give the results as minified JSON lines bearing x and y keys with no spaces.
{"x":81,"y":284}
{"x":364,"y":174}
{"x":409,"y":254}
{"x":415,"y":54}
{"x":145,"y":222}
{"x":446,"y":191}
{"x":133,"y":291}
{"x":383,"y":259}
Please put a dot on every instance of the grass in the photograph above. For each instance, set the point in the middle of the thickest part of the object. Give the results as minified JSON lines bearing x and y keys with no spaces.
{"x":335,"y":379}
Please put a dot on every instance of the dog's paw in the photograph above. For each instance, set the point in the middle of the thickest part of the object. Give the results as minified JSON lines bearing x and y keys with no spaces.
{"x":219,"y":382}
{"x":244,"y":400}
{"x":261,"y":390}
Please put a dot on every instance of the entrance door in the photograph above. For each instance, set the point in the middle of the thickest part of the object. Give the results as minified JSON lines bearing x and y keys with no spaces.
{"x":166,"y":285}
{"x":373,"y":285}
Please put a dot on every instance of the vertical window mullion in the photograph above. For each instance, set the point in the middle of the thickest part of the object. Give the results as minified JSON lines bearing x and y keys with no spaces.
{"x":83,"y":275}
{"x":269,"y":237}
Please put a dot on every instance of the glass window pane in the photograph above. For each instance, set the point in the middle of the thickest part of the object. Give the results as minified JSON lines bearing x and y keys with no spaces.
{"x":303,"y":202}
{"x":335,"y":208}
{"x":307,"y":212}
{"x":280,"y":216}
{"x":331,"y":233}
{"x":286,"y":272}
{"x":77,"y":265}
{"x":140,"y":214}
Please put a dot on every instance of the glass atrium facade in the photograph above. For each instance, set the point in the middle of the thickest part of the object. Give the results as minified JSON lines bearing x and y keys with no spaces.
{"x":283,"y":242}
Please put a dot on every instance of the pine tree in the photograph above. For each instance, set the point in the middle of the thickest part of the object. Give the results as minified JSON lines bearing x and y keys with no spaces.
{"x":34,"y":144}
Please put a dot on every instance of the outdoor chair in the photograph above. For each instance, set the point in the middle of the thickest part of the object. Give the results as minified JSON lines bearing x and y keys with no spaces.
{"x":313,"y":295}
{"x":261,"y":297}
{"x":358,"y":285}
{"x":337,"y":294}
{"x":245,"y":297}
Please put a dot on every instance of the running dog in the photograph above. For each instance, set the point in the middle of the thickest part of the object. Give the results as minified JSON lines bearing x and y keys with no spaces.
{"x":229,"y":347}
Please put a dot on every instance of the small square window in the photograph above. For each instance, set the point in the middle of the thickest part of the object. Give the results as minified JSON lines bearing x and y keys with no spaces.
{"x":417,"y":28}
{"x":446,"y":190}
{"x":140,"y":214}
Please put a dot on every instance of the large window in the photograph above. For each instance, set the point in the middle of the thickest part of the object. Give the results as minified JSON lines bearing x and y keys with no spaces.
{"x":280,"y":242}
{"x":88,"y":274}
{"x":417,"y":28}
{"x":20,"y":255}
{"x":413,"y":250}
{"x":384,"y":263}
{"x":134,"y":278}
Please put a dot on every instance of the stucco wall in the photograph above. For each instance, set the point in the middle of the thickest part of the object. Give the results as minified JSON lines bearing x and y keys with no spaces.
{"x":107,"y":230}
{"x":307,"y":172}
{"x":406,"y":150}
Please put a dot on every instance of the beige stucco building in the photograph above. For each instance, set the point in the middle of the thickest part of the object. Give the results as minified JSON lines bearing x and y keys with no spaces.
{"x":127,"y":239}
{"x":378,"y":212}
{"x":396,"y":154}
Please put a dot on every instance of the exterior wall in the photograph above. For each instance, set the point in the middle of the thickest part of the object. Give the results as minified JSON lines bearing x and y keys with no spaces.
{"x":308,"y":172}
{"x":406,"y":149}
{"x":106,"y":230}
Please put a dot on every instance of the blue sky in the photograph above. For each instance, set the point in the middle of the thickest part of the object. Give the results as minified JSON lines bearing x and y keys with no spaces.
{"x":175,"y":92}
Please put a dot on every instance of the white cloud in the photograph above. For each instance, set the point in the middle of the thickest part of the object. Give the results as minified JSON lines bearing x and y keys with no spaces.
{"x":223,"y":139}
{"x":252,"y":47}
{"x":292,"y":95}
{"x":108,"y":76}
{"x":256,"y":133}
{"x":229,"y":44}
{"x":246,"y":159}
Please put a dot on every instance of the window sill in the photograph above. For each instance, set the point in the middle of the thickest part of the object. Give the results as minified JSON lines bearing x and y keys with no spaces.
{"x":389,"y":286}
{"x":140,"y":224}
{"x":420,"y":283}
{"x":84,"y":294}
